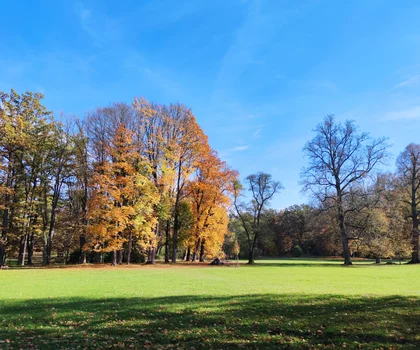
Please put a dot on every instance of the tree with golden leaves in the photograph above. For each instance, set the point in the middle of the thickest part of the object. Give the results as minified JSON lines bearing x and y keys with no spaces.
{"x":121,"y":207}
{"x":209,"y":194}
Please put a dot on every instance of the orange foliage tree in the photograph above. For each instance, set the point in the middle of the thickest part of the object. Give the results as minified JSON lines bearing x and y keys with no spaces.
{"x":209,"y":195}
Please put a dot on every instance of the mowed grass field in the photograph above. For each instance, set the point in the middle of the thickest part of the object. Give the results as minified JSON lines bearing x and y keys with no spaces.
{"x":276,"y":304}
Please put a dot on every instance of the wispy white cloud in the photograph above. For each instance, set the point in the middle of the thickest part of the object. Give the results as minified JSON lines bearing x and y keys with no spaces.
{"x":239,"y":148}
{"x":85,"y":18}
{"x":410,"y":113}
{"x":409,"y":82}
{"x":226,"y":153}
{"x":99,"y":28}
{"x":257,"y":133}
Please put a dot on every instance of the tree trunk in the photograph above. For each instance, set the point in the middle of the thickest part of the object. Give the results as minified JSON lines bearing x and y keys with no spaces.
{"x":22,"y":250}
{"x":252,"y":248}
{"x":82,"y":242}
{"x":175,"y":238}
{"x":130,"y":248}
{"x":176,"y":214}
{"x":203,"y":242}
{"x":5,"y":219}
{"x":346,"y":249}
{"x":251,"y":256}
{"x":344,"y":238}
{"x":197,"y":247}
{"x":120,"y":254}
{"x":378,"y":260}
{"x":188,"y":257}
{"x":3,"y":238}
{"x":46,"y":260}
{"x":152,"y":257}
{"x":84,"y":215}
{"x":149,"y":256}
{"x":168,"y":228}
{"x":114,"y":258}
{"x":31,"y":243}
{"x":415,"y":258}
{"x":2,"y":252}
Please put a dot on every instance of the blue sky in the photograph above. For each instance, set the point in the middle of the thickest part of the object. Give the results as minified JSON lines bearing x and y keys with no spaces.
{"x":258,"y":75}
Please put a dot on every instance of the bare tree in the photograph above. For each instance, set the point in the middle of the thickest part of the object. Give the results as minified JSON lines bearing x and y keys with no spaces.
{"x":408,"y":167}
{"x":263,"y":188}
{"x":341,"y":158}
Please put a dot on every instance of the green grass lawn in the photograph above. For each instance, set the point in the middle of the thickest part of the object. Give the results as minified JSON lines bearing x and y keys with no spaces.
{"x":284,"y":303}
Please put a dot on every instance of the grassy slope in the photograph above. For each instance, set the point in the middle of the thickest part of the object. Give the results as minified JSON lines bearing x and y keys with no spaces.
{"x":278,"y":303}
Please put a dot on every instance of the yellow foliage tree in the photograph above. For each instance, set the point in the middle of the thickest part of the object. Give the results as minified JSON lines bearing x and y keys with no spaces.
{"x":123,"y":198}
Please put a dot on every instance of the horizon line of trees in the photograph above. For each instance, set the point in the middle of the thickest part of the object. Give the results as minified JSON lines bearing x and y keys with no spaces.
{"x":127,"y":183}
{"x":131,"y":182}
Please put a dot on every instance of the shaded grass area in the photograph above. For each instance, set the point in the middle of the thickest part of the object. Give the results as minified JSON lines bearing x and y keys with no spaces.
{"x":276,"y":304}
{"x":222,"y":322}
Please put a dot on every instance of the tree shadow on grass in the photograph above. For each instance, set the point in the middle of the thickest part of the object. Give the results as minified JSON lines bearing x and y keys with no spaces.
{"x":206,"y":322}
{"x":302,"y":264}
{"x":313,"y":262}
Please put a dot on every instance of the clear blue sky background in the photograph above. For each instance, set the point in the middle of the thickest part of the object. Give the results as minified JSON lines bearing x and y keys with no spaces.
{"x":258,"y":75}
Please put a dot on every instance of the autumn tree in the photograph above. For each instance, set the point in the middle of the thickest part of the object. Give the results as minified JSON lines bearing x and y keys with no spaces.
{"x":123,"y":198}
{"x":188,"y":141}
{"x":408,"y":168}
{"x":155,"y":137}
{"x":340,"y":157}
{"x":262,"y":188}
{"x":209,"y":193}
{"x":78,"y":191}
{"x":24,"y":124}
{"x":62,"y":160}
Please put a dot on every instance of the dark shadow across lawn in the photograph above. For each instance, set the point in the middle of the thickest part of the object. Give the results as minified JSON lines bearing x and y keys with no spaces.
{"x":316,"y":262}
{"x":192,"y":322}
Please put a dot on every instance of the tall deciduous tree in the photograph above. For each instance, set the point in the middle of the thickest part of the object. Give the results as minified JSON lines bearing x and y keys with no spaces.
{"x":79,"y":191}
{"x":154,"y":135}
{"x":408,"y":164}
{"x":209,"y":193}
{"x":62,"y":161}
{"x":262,"y":188}
{"x":340,"y":157}
{"x":123,"y":199}
{"x":188,"y":143}
{"x":23,"y":120}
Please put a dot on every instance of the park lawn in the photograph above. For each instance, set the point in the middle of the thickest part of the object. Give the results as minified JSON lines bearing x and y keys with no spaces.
{"x":283,"y":303}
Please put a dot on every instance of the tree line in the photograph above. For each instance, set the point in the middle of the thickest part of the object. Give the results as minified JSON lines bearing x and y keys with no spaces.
{"x":127,"y":183}
{"x":130,"y":182}
{"x":356,"y":210}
